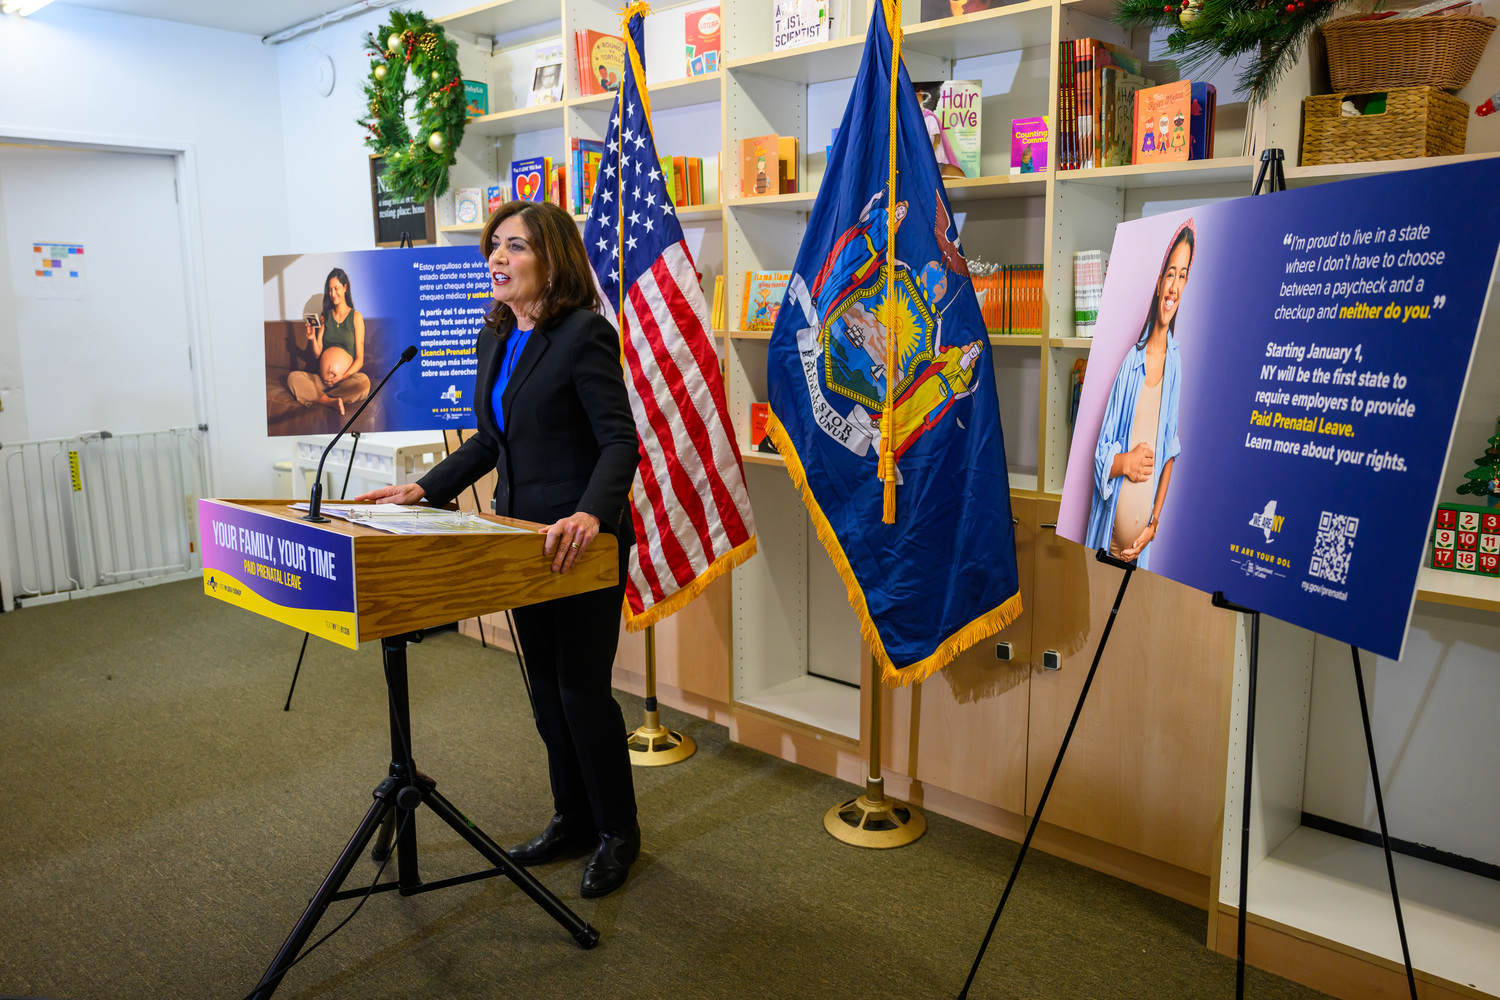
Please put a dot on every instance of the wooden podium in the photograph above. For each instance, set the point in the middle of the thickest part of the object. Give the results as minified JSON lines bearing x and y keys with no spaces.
{"x":348,"y":582}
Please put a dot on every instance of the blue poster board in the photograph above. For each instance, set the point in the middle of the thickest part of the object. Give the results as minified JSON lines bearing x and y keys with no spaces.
{"x":1293,"y":363}
{"x":434,"y":298}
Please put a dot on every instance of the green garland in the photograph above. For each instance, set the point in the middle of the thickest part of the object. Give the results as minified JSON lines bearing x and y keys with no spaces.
{"x":1209,"y":33}
{"x":416,"y":167}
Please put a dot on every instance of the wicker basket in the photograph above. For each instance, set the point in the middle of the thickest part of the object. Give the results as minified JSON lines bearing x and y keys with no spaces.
{"x":1405,"y":52}
{"x":1418,"y":121}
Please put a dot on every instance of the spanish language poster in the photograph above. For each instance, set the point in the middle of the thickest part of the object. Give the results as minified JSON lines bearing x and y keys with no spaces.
{"x":335,"y":323}
{"x":1272,"y":389}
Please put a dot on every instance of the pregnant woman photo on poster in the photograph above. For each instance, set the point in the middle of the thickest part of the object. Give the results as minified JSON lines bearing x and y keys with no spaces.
{"x":1138,"y":439}
{"x":336,"y":336}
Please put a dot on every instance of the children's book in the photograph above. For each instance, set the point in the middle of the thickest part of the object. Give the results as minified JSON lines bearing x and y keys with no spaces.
{"x":546,"y":74}
{"x":932,"y":10}
{"x":468,"y":206}
{"x":702,"y":41}
{"x":763,"y":293}
{"x":494,"y":197}
{"x":1201,"y":126}
{"x":786,"y":163}
{"x":601,"y":61}
{"x":476,"y":99}
{"x":759,"y":166}
{"x":528,"y":178}
{"x":1028,"y":145}
{"x":1161,"y":122}
{"x":798,"y":22}
{"x":1117,"y":98}
{"x":950,"y":111}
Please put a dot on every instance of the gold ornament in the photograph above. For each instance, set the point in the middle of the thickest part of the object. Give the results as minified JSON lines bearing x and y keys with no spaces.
{"x":436,"y":142}
{"x":393,"y":43}
{"x":434,"y":76}
{"x":429,"y":43}
{"x":1188,"y":14}
{"x":380,"y":72}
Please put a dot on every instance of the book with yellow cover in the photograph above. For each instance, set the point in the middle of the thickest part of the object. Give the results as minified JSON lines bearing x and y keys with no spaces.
{"x":763,"y":293}
{"x":760,"y":173}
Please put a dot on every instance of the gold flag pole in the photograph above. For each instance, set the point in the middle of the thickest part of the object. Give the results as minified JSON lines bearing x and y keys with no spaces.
{"x":650,"y":744}
{"x":653,"y":744}
{"x":872,"y":819}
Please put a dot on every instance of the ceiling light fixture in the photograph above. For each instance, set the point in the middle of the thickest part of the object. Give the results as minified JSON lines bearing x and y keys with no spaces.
{"x":23,"y":7}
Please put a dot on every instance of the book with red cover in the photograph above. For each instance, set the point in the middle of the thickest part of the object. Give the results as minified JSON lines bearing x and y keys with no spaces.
{"x":601,"y":61}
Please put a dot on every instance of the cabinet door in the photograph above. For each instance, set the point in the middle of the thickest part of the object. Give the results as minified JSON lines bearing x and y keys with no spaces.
{"x":1144,"y":768}
{"x":970,"y":717}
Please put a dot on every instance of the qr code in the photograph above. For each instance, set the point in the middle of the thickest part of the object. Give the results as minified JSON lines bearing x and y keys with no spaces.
{"x":1334,"y":547}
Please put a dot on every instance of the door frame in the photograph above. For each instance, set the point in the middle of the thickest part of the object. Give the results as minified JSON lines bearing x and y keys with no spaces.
{"x":190,"y":233}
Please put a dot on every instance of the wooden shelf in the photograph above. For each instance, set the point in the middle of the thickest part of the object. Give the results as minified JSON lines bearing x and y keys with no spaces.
{"x":1015,"y":340}
{"x":1296,"y":176}
{"x":802,"y":201}
{"x":1003,"y":29}
{"x":1002,"y":186}
{"x":683,"y":93}
{"x":836,"y":60}
{"x":690,"y":213}
{"x":1464,"y":590}
{"x":750,"y":334}
{"x":812,"y":701}
{"x":761,"y":458}
{"x":472,"y":227}
{"x":537,"y":18}
{"x":1335,"y":891}
{"x":517,"y":120}
{"x":1221,"y":170}
{"x":1071,"y":343}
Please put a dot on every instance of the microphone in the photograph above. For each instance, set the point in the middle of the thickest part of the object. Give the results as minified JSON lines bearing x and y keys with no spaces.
{"x":315,"y":500}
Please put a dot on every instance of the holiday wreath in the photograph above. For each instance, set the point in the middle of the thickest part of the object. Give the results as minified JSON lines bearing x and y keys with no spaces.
{"x":417,"y":156}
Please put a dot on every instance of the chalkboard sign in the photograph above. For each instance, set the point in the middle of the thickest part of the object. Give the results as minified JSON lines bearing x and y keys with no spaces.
{"x":394,"y":216}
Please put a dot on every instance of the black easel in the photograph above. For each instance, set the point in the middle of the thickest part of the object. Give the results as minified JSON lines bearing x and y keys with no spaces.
{"x":342,"y":492}
{"x":405,"y":243}
{"x":1129,"y":567}
{"x":403,"y":791}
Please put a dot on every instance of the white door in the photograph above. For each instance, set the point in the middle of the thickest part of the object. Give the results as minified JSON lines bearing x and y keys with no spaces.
{"x":109,"y":349}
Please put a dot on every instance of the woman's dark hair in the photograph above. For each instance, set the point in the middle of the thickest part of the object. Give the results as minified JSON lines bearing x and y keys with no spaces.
{"x":343,"y":279}
{"x":1184,"y":235}
{"x":566,"y":277}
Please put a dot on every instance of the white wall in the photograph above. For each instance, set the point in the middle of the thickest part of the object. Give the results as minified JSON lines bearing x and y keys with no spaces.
{"x":1432,"y":714}
{"x":110,"y":77}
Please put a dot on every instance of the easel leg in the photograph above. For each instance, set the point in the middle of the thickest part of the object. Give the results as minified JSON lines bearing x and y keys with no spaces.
{"x":1385,"y":837}
{"x":1239,"y":962}
{"x":1036,"y":817}
{"x":295,"y":673}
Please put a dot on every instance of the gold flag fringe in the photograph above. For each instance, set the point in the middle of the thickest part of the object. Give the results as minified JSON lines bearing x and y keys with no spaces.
{"x":985,"y":625}
{"x":680,"y":599}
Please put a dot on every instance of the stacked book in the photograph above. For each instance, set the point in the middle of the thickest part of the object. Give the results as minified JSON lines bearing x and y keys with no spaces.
{"x":584,"y":160}
{"x":1010,"y":299}
{"x":1088,"y":289}
{"x":807,"y":22}
{"x":768,"y":166}
{"x":601,"y":61}
{"x":1093,"y":79}
{"x":689,"y":177}
{"x":538,"y":178}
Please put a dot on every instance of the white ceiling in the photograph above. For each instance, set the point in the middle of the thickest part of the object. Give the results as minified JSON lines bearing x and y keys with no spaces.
{"x":260,"y":17}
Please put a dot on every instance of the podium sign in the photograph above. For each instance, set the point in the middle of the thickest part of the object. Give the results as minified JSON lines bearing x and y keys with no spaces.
{"x":290,"y":571}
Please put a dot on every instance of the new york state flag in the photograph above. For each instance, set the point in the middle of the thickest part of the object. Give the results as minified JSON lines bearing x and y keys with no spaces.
{"x":943,"y":576}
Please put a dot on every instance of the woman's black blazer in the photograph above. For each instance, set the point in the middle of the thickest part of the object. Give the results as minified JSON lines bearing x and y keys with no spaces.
{"x":569,"y":443}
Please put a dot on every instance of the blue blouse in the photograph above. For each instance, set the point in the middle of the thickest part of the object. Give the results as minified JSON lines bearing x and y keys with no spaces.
{"x":513,"y":348}
{"x":1114,"y":438}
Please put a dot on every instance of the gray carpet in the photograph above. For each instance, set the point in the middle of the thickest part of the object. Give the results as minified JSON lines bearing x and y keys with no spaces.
{"x":163,"y":822}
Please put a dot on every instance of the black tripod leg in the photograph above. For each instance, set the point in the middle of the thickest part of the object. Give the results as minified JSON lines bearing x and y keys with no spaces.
{"x":582,"y":933}
{"x":1239,"y":961}
{"x":1385,"y":837}
{"x":288,"y":706}
{"x":385,"y":802}
{"x":382,"y":848}
{"x":1056,"y":766}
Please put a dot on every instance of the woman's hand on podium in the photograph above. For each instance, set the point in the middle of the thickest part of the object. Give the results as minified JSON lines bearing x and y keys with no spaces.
{"x":401,"y":493}
{"x":568,"y":538}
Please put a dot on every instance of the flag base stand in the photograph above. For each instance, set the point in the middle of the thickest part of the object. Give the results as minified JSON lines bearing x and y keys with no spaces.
{"x":652,"y":744}
{"x":875,"y":821}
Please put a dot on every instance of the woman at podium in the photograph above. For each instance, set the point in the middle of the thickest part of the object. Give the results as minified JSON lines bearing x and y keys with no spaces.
{"x":555,"y":424}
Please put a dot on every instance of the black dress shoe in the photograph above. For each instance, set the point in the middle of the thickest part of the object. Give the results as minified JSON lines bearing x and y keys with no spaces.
{"x":610,"y":864}
{"x":560,"y":835}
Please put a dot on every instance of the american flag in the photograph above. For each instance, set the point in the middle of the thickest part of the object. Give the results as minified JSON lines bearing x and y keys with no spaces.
{"x":689,"y":503}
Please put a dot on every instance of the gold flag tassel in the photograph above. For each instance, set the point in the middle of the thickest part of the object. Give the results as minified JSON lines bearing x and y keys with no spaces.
{"x":888,"y":414}
{"x":651,"y":743}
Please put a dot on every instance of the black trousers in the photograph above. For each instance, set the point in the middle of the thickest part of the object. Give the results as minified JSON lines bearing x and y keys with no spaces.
{"x":570,"y":646}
